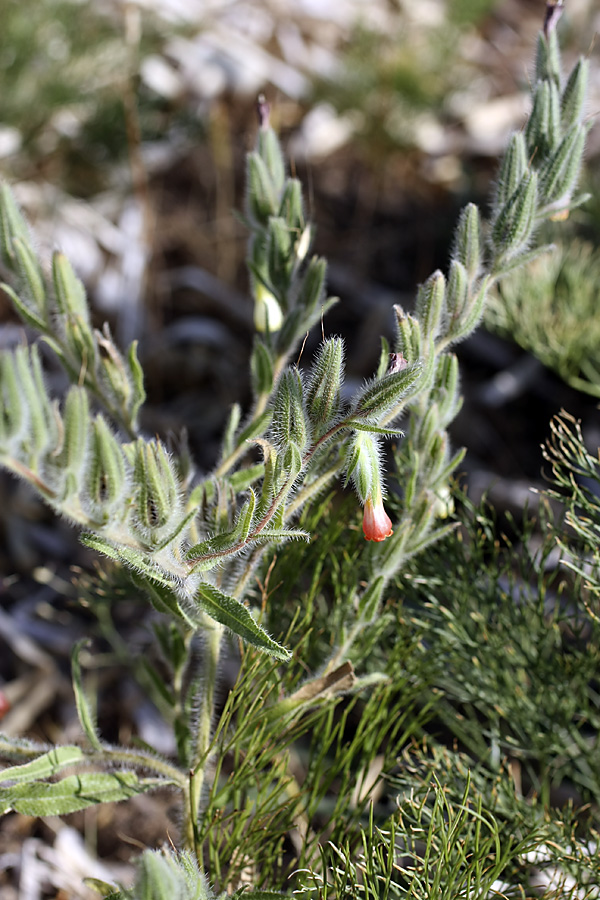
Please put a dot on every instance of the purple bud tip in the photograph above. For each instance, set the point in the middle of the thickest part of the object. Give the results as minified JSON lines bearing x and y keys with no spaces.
{"x":397,"y":363}
{"x":263,"y":110}
{"x":554,"y":10}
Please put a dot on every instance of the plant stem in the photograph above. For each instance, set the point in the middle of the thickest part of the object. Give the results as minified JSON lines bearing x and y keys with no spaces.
{"x":261,"y":404}
{"x":202,"y":742}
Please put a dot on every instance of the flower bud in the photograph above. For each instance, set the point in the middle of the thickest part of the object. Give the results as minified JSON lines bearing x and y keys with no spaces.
{"x":41,"y":424}
{"x":268,"y":146}
{"x":512,"y":170}
{"x":377,"y":525}
{"x":75,"y":438}
{"x":280,"y":259}
{"x":105,"y":477}
{"x":291,"y":208}
{"x":380,"y":396}
{"x":31,"y":275}
{"x":157,"y":500}
{"x":325,"y":380}
{"x":513,"y":227}
{"x":409,"y":338}
{"x":559,"y":177}
{"x":430,"y":303}
{"x":572,"y":102}
{"x":262,"y":200}
{"x":12,"y":225}
{"x":547,"y":60}
{"x":267,"y":311}
{"x":289,"y":417}
{"x":69,"y":289}
{"x":468,"y":241}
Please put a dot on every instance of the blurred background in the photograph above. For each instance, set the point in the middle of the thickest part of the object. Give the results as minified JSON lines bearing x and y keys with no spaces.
{"x":123,"y":131}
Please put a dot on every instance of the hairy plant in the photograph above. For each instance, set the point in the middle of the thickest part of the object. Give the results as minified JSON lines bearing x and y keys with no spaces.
{"x":193,"y":543}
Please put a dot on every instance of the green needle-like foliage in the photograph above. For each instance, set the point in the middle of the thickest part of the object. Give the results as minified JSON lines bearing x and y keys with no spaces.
{"x":550,"y":308}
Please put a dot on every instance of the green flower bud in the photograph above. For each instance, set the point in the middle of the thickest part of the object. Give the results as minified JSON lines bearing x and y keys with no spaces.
{"x":291,"y":208}
{"x":457,"y":297}
{"x":363,"y":464}
{"x":114,"y":370}
{"x":409,"y":337}
{"x":559,"y":177}
{"x":41,"y":426}
{"x":268,"y":315}
{"x":73,"y":452}
{"x":72,"y":304}
{"x":289,"y":418}
{"x":512,"y":170}
{"x":12,"y":225}
{"x":12,"y":409}
{"x":547,"y":60}
{"x":69,"y":289}
{"x":105,"y":476}
{"x":269,"y":150}
{"x":468,"y":242}
{"x":430,"y":304}
{"x":514,"y":226}
{"x":542,"y":132}
{"x":262,"y":200}
{"x":280,"y":258}
{"x":325,"y":381}
{"x":383,"y":395}
{"x":572,"y":103}
{"x":30,"y":272}
{"x":157,"y":502}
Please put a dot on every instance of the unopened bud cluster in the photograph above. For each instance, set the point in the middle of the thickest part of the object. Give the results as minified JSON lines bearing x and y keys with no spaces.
{"x":57,"y":307}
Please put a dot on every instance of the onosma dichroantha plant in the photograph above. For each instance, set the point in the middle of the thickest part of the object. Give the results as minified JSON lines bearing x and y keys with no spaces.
{"x":192,"y":543}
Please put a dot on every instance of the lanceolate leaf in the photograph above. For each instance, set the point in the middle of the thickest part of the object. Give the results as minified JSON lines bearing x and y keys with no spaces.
{"x":357,"y":425}
{"x":126,"y":555}
{"x":279,"y":534}
{"x":44,"y":766}
{"x":234,"y":615}
{"x":71,"y":794}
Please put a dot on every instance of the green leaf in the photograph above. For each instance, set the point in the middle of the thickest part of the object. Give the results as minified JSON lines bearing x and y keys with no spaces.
{"x":234,"y":615}
{"x":282,"y":534}
{"x":28,"y":315}
{"x":468,"y":242}
{"x":255,"y":428}
{"x":430,"y":303}
{"x":70,"y":794}
{"x":359,"y":425}
{"x":243,"y":478}
{"x":261,"y":368}
{"x":572,"y":103}
{"x":127,"y":555}
{"x":84,"y":707}
{"x":12,"y":225}
{"x":137,"y":377}
{"x":379,"y":397}
{"x":44,"y":766}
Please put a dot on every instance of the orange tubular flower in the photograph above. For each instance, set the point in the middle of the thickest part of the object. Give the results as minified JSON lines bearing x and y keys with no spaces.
{"x":377,"y":525}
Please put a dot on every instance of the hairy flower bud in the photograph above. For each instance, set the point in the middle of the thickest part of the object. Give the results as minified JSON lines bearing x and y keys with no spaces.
{"x":377,"y":525}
